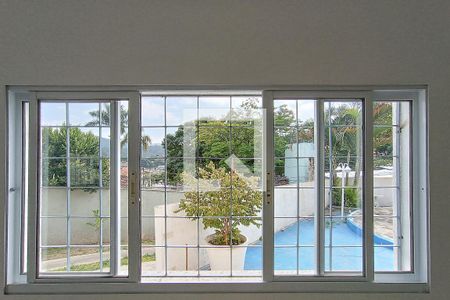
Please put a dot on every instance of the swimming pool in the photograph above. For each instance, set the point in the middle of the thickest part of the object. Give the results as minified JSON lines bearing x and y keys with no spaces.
{"x":346,"y":251}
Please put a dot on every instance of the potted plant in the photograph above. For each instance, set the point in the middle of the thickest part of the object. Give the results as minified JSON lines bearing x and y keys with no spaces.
{"x":221,"y":197}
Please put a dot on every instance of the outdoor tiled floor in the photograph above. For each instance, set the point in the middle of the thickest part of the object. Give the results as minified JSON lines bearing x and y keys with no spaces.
{"x":383,"y":222}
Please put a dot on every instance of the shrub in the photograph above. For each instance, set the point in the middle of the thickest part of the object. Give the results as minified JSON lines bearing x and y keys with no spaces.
{"x":222,"y":193}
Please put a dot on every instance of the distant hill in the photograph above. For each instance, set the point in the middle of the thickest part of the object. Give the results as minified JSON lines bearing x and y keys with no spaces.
{"x":153,"y":150}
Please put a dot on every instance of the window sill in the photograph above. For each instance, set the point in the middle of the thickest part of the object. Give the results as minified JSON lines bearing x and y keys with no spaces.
{"x":229,"y":286}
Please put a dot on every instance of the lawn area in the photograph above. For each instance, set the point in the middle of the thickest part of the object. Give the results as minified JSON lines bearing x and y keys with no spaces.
{"x":96,"y":265}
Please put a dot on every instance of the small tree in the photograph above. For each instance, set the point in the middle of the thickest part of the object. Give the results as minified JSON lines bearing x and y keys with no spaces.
{"x":222,"y":194}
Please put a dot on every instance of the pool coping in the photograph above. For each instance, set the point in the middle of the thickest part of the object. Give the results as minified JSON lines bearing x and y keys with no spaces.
{"x":377,"y":238}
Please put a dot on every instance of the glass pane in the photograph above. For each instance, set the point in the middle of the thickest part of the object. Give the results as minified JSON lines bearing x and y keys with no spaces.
{"x":86,"y":259}
{"x":206,"y":190}
{"x":287,"y":202}
{"x":392,"y":186}
{"x":214,"y":110}
{"x":85,"y":231}
{"x":84,"y":172}
{"x":75,"y":163}
{"x":153,"y":263}
{"x":54,"y":172}
{"x":85,"y":203}
{"x":53,"y":201}
{"x":153,"y":174}
{"x":383,"y":113}
{"x":285,"y":140}
{"x":286,"y":172}
{"x":214,"y":141}
{"x":53,"y":259}
{"x":54,"y":142}
{"x":343,"y":244}
{"x":53,"y":231}
{"x":181,"y":110}
{"x":246,"y":142}
{"x":152,"y":111}
{"x":84,"y":114}
{"x":246,"y":111}
{"x":105,"y":142}
{"x":84,"y":142}
{"x":53,"y":114}
{"x":343,"y":112}
{"x":285,"y":113}
{"x":343,"y":180}
{"x":306,"y":113}
{"x":253,"y":263}
{"x":294,"y":193}
{"x":105,"y":114}
{"x":152,"y":142}
{"x":123,"y":201}
{"x":183,"y":261}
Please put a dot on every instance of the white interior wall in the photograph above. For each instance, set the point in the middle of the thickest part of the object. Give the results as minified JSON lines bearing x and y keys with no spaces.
{"x":334,"y":42}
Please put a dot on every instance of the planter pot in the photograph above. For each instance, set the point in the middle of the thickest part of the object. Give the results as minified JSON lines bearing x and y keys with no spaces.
{"x":220,"y":256}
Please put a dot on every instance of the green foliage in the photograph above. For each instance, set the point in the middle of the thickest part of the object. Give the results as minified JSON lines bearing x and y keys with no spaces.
{"x":222,"y":193}
{"x":84,"y":164}
{"x":351,"y":196}
{"x":84,"y":150}
{"x":214,"y":138}
{"x":382,"y":142}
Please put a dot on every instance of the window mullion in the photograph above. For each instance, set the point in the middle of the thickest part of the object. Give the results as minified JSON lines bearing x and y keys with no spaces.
{"x":368,"y":188}
{"x":32,"y":250}
{"x":269,"y":173}
{"x":134,"y":217}
{"x":320,"y":188}
{"x":115,"y":219}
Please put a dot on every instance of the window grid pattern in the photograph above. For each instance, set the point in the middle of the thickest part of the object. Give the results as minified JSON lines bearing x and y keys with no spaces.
{"x":398,"y":158}
{"x":99,"y":219}
{"x":200,"y":123}
{"x":286,"y":219}
{"x":330,"y":216}
{"x":282,"y":248}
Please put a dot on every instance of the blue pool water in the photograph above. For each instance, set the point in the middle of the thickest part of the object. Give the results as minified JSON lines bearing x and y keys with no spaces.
{"x":346,"y":254}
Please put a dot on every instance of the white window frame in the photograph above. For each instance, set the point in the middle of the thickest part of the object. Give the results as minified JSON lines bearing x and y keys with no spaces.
{"x":420,"y":206}
{"x":33,"y":275}
{"x":416,"y":281}
{"x":322,"y":275}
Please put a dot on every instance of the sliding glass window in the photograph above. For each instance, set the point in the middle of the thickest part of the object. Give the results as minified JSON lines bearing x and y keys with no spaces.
{"x":203,"y":186}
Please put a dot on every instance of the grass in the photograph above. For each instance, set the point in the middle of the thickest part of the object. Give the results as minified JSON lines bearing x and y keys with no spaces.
{"x":96,"y":265}
{"x":56,"y":253}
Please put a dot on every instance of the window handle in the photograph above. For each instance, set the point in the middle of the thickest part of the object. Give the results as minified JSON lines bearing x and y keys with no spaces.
{"x":268,"y":188}
{"x":133,"y":187}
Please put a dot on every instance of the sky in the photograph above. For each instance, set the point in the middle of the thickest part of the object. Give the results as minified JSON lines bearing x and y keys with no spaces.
{"x":179,"y":109}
